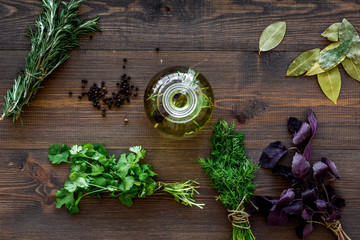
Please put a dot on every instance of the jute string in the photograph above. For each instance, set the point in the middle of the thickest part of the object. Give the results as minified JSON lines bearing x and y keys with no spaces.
{"x":335,"y":227}
{"x":239,"y":216}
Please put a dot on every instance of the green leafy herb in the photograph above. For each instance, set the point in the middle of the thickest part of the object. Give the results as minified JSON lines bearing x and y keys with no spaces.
{"x":303,"y":62}
{"x":351,"y":68}
{"x":232,"y":175}
{"x":345,"y":50}
{"x":272,"y":36}
{"x":57,"y":33}
{"x":332,"y":32}
{"x":94,"y":172}
{"x":330,"y":58}
{"x":330,"y":83}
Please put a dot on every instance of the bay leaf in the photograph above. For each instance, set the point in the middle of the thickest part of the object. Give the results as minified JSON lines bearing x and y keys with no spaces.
{"x":346,"y":31}
{"x":330,"y":58}
{"x":272,"y":36}
{"x":330,"y":83}
{"x":303,"y":62}
{"x":351,"y":68}
{"x":316,"y":69}
{"x":332,"y":32}
{"x":354,"y":50}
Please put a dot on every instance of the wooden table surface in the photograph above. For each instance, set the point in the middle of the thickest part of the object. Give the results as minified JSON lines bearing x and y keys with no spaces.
{"x":221,"y":39}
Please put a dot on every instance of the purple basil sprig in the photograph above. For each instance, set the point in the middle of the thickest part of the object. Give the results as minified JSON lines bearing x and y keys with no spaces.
{"x":310,"y":197}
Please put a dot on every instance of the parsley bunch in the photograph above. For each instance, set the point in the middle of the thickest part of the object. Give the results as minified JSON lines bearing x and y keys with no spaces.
{"x":93,"y":172}
{"x":232,"y":175}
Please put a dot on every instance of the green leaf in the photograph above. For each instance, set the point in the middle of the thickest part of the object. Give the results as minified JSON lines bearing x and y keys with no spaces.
{"x":354,"y":51}
{"x":72,"y":185}
{"x":330,"y":83}
{"x":143,"y":176}
{"x":63,"y":197}
{"x":332,"y":32}
{"x":347,"y":31}
{"x":351,"y":68}
{"x":316,"y":69}
{"x":332,"y":57}
{"x":272,"y":36}
{"x":100,"y":181}
{"x":100,"y":149}
{"x":58,"y":155}
{"x":97,"y":169}
{"x":75,"y":149}
{"x":54,"y":149}
{"x":303,"y":62}
{"x":126,"y":199}
{"x":127,"y":183}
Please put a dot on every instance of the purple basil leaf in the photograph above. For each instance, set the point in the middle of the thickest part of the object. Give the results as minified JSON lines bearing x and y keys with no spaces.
{"x":335,"y":215}
{"x":302,"y":134}
{"x":307,"y":214}
{"x":277,"y":218}
{"x":286,"y":197}
{"x":313,"y":124}
{"x":309,"y":196}
{"x":300,"y":167}
{"x":295,"y":208}
{"x":321,"y":204}
{"x":264,"y":204}
{"x":307,"y":229}
{"x":331,"y":166}
{"x":294,"y":124}
{"x":283,"y":171}
{"x":331,"y":193}
{"x":320,"y":170}
{"x":272,"y":154}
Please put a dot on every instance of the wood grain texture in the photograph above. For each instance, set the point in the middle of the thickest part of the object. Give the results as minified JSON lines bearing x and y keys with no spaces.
{"x":219,"y":38}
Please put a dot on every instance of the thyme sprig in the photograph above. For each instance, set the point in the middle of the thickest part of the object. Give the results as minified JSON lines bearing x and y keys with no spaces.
{"x":56,"y":34}
{"x":232,"y":175}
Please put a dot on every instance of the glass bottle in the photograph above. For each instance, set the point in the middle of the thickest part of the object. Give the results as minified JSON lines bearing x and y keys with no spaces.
{"x":179,"y":101}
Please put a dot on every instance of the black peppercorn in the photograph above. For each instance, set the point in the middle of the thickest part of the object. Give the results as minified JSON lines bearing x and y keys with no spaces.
{"x":157,"y":49}
{"x":124,"y":66}
{"x":70,"y":93}
{"x":125,"y":60}
{"x":137,"y":89}
{"x":103,"y":114}
{"x":135,"y":94}
{"x":80,"y":97}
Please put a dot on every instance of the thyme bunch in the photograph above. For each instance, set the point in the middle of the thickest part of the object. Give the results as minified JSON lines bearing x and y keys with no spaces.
{"x":232,"y":175}
{"x":57,"y":33}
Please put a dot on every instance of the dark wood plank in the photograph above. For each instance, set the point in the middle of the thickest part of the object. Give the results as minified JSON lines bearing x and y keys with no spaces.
{"x":28,"y":183}
{"x":247,"y":87}
{"x":219,"y":38}
{"x":190,"y":25}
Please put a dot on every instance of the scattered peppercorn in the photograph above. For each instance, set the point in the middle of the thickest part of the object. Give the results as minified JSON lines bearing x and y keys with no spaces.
{"x":157,"y":49}
{"x":126,"y":120}
{"x":97,"y":93}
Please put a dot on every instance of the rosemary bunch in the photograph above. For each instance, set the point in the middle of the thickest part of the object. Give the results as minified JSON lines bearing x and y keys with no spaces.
{"x":57,"y":33}
{"x":232,"y":175}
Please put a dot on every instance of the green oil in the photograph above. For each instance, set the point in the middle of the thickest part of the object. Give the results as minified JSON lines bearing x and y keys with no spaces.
{"x":179,"y":101}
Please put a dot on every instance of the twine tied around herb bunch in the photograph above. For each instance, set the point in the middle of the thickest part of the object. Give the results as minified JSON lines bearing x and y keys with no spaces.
{"x":239,"y":216}
{"x":335,"y":227}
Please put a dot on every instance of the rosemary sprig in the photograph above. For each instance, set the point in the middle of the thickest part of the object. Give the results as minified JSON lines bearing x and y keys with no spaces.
{"x":57,"y":33}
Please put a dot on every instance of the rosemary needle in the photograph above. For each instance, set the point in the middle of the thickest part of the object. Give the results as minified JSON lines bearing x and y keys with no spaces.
{"x":57,"y":33}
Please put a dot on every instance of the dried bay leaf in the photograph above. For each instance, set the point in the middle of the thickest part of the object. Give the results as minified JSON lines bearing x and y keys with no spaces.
{"x":332,"y":57}
{"x":330,"y":83}
{"x":354,"y":50}
{"x":303,"y":62}
{"x":347,"y":31}
{"x":272,"y":36}
{"x":351,"y":68}
{"x":316,"y":69}
{"x":332,"y":33}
